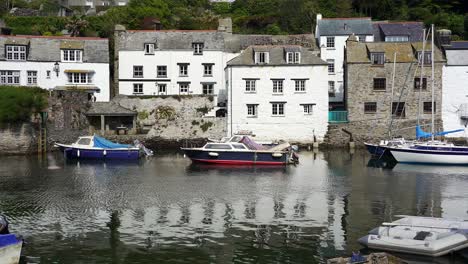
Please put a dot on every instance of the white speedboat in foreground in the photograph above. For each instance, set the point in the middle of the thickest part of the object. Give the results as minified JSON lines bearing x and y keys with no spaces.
{"x":428,"y":236}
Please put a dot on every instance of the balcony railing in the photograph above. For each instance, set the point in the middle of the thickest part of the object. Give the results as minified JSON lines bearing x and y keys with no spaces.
{"x":338,"y":117}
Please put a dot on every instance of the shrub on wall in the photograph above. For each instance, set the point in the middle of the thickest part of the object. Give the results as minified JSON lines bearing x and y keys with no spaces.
{"x":18,"y":103}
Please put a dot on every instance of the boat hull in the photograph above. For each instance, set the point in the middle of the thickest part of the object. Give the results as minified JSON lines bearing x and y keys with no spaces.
{"x":406,"y":155}
{"x":237,"y":157}
{"x":80,"y":153}
{"x":10,"y":254}
{"x":375,"y":149}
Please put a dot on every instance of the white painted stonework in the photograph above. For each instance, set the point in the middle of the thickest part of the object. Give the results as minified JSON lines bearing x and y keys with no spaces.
{"x":99,"y":72}
{"x":455,"y":99}
{"x":294,"y":125}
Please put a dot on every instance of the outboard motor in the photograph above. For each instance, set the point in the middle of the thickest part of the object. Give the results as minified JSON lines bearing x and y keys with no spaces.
{"x":4,"y":226}
{"x":293,"y":154}
{"x":147,"y":151}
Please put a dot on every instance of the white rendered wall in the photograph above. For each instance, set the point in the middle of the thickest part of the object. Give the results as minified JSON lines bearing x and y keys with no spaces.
{"x":294,"y":125}
{"x":100,"y":78}
{"x":454,"y":94}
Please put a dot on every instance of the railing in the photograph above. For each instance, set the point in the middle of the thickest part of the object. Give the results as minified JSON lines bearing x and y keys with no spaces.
{"x":338,"y":117}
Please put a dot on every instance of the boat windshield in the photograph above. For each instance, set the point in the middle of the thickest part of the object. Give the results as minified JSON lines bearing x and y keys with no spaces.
{"x":84,"y":141}
{"x":238,"y":146}
{"x":236,"y":139}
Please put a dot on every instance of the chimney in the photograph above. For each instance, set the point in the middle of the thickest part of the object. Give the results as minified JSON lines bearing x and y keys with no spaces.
{"x":319,"y":17}
{"x":225,"y":25}
{"x":444,"y":37}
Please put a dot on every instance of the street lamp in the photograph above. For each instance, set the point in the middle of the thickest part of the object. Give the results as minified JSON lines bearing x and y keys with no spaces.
{"x":57,"y":68}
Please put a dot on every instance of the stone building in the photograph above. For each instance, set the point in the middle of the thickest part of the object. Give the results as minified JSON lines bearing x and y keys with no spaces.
{"x":377,"y":103}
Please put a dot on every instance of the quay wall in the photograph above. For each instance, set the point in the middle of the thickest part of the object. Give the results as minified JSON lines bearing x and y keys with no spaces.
{"x":16,"y":139}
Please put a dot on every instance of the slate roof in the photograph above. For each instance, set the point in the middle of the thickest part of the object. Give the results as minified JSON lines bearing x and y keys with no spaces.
{"x":109,"y":109}
{"x":276,"y":56}
{"x":47,"y":49}
{"x":358,"y":52}
{"x":345,"y":26}
{"x":461,"y":45}
{"x":457,"y":53}
{"x":414,"y":30}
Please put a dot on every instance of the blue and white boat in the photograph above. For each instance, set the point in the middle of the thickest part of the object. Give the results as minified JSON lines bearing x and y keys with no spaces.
{"x":95,"y":147}
{"x":241,"y":150}
{"x":10,"y":245}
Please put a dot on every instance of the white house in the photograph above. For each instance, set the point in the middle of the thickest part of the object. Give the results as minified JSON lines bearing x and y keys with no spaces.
{"x":278,"y":92}
{"x":331,"y":34}
{"x":56,"y":63}
{"x":455,"y":88}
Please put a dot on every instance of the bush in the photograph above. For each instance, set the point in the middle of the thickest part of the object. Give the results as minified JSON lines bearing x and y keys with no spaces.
{"x":18,"y":103}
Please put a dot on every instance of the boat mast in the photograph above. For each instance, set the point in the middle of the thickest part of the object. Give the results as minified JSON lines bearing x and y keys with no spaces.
{"x":391,"y":98}
{"x":421,"y":74}
{"x":432,"y":80}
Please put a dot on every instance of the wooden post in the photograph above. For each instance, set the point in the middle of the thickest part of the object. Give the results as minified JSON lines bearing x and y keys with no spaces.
{"x":103,"y":124}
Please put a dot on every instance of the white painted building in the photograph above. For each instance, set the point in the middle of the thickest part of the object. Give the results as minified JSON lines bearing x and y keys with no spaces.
{"x":331,"y":34}
{"x":455,"y":88}
{"x":56,"y":63}
{"x":278,"y":92}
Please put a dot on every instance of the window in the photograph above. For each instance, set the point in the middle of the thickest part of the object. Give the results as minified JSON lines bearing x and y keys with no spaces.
{"x":137,"y":88}
{"x":161,"y":71}
{"x":261,"y":57}
{"x":330,"y":42}
{"x":293,"y":57}
{"x":308,"y":109}
{"x":32,"y":77}
{"x":79,"y":77}
{"x":396,"y":39}
{"x":417,"y":83}
{"x":427,"y":107}
{"x":48,"y":74}
{"x":162,"y":88}
{"x":217,"y":146}
{"x":277,"y":109}
{"x":197,"y":48}
{"x":184,"y":88}
{"x":137,"y":71}
{"x":361,"y":38}
{"x":208,"y":88}
{"x":380,"y":83}
{"x":9,"y":77}
{"x":250,"y":86}
{"x":149,"y":48}
{"x":398,"y":109}
{"x":252,"y":110}
{"x":84,"y":141}
{"x":300,"y":85}
{"x":370,"y":107}
{"x":377,"y":58}
{"x":331,"y":89}
{"x":331,"y":66}
{"x":69,"y":55}
{"x":277,"y":86}
{"x":15,"y":52}
{"x":427,"y":57}
{"x":183,"y":69}
{"x":238,"y":146}
{"x":208,"y":69}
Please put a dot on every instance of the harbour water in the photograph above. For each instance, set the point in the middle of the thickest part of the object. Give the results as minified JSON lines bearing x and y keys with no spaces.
{"x":166,"y":210}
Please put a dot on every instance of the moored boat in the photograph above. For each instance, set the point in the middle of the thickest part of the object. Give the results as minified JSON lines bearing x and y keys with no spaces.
{"x":95,"y":147}
{"x":433,"y":152}
{"x":241,"y":150}
{"x":10,"y":245}
{"x":382,"y":148}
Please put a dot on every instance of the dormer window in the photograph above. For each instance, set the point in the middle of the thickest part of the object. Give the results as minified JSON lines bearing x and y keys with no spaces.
{"x":261,"y":57}
{"x":149,"y":48}
{"x":427,"y":57}
{"x":293,"y":57}
{"x":71,"y":55}
{"x":197,"y":48}
{"x":16,"y":52}
{"x":396,"y":39}
{"x":377,"y":58}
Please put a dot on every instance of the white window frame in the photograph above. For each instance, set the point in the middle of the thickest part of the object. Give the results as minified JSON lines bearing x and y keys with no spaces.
{"x":300,"y":85}
{"x":331,"y":66}
{"x":138,"y":88}
{"x":161,"y":68}
{"x":72,"y":55}
{"x":330,"y":42}
{"x":137,"y":73}
{"x":160,"y":90}
{"x":250,"y":86}
{"x":262,"y":57}
{"x":183,"y":69}
{"x":401,"y":38}
{"x":277,"y":86}
{"x":308,"y":109}
{"x":252,"y":110}
{"x":79,"y":77}
{"x":277,"y":109}
{"x":16,"y":52}
{"x":198,"y":48}
{"x":32,"y":77}
{"x":427,"y":57}
{"x":207,"y":69}
{"x":149,"y":48}
{"x":10,"y":77}
{"x":209,"y":88}
{"x":293,"y":57}
{"x":184,"y":88}
{"x":377,"y":58}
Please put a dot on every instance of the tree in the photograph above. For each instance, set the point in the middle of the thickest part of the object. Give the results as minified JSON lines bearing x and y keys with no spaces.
{"x":344,"y":8}
{"x":76,"y":25}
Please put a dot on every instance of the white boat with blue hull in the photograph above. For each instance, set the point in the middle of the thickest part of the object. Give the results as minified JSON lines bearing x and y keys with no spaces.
{"x":10,"y":245}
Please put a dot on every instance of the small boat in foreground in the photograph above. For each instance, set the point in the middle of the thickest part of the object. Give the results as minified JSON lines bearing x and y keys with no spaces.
{"x":242,"y":150}
{"x":428,"y":236}
{"x":95,"y":147}
{"x":10,"y":245}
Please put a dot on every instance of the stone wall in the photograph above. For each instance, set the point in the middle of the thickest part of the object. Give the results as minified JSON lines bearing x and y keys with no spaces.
{"x":18,"y":139}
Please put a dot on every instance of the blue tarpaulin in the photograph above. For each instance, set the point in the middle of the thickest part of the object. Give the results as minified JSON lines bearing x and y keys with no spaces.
{"x":421,"y":134}
{"x":100,"y":142}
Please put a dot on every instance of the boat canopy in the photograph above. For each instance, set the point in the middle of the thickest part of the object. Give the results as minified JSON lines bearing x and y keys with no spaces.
{"x":252,"y":145}
{"x":421,"y":134}
{"x":100,"y":142}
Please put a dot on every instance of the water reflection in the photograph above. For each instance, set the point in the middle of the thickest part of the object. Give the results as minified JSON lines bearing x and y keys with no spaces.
{"x":166,"y":208}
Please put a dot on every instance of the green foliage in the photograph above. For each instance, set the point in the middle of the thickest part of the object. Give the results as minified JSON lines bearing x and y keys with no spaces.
{"x":205,"y":126}
{"x":203,"y":110}
{"x":18,"y":103}
{"x":165,"y":112}
{"x":195,"y":123}
{"x":143,"y":115}
{"x":76,"y":25}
